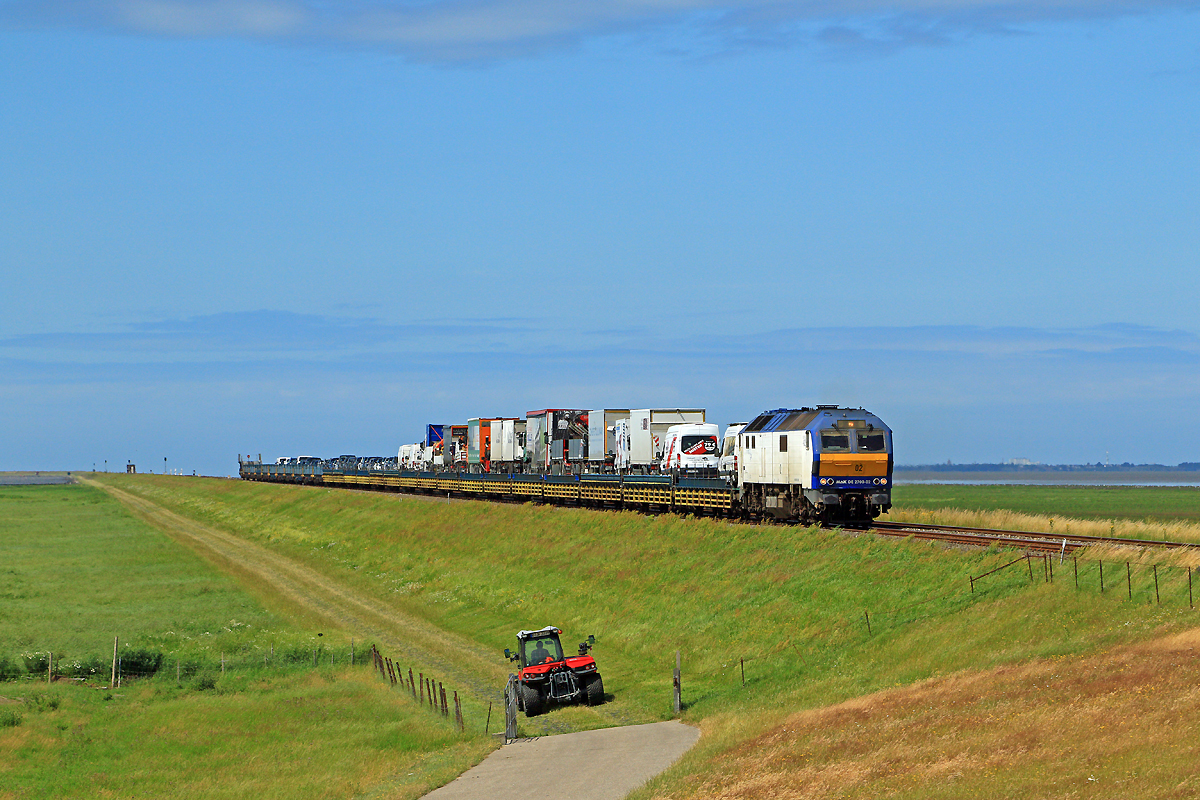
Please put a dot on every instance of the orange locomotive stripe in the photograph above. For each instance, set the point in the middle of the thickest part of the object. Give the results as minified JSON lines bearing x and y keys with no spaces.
{"x":854,"y":464}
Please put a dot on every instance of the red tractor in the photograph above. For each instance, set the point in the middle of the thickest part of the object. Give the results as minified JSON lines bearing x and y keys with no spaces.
{"x":547,"y":676}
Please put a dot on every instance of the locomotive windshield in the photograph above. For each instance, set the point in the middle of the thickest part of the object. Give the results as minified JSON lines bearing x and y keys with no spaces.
{"x":872,"y":442}
{"x":835,"y":442}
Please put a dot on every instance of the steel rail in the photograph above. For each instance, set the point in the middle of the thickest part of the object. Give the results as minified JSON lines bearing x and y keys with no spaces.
{"x":1037,"y":541}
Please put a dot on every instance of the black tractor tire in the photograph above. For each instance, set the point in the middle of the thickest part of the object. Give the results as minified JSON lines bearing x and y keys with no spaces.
{"x":594,"y":691}
{"x":531,"y":700}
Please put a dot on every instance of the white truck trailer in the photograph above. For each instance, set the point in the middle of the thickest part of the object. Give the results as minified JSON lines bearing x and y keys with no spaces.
{"x":640,"y":437}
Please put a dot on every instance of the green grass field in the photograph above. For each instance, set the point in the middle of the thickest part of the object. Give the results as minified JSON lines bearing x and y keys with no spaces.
{"x":790,"y":603}
{"x":1154,"y":503}
{"x":76,"y":570}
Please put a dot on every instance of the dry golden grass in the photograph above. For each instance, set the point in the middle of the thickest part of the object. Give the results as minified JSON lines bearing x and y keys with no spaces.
{"x":1016,"y":521}
{"x":1118,"y":724}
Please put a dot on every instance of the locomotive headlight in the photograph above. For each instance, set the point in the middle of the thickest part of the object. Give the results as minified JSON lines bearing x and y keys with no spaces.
{"x":883,"y":481}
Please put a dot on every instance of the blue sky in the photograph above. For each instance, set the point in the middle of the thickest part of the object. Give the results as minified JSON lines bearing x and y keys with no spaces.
{"x":288,"y":227}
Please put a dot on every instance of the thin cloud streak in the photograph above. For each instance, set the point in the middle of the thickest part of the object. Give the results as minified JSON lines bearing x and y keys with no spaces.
{"x":488,"y":30}
{"x":263,"y":336}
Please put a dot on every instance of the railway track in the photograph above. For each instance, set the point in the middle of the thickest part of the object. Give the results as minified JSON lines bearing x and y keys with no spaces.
{"x":1030,"y":541}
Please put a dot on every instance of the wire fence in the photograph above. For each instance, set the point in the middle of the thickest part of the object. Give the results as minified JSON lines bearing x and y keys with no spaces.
{"x":426,"y":690}
{"x":133,"y":663}
{"x":1141,"y":581}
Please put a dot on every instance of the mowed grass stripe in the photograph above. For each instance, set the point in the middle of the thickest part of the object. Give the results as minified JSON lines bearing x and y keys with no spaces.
{"x":76,"y":569}
{"x":462,"y":662}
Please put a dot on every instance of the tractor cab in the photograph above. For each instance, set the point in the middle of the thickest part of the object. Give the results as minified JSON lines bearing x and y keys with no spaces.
{"x":548,"y":676}
{"x":539,"y":647}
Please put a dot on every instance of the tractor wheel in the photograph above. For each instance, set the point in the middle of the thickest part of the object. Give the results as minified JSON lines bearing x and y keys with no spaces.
{"x":594,"y":691}
{"x":531,"y":700}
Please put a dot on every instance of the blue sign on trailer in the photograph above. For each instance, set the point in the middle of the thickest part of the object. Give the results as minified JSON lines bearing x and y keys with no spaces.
{"x":433,"y":435}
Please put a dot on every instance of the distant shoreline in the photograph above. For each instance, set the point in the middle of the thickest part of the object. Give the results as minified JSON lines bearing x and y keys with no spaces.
{"x":1049,"y":477}
{"x":33,"y":479}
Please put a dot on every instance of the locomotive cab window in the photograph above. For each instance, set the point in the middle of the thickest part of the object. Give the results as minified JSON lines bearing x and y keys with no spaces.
{"x":783,"y":443}
{"x":872,"y":442}
{"x":835,"y":441}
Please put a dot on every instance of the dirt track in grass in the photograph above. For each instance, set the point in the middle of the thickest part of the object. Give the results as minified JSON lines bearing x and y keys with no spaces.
{"x":283,"y":582}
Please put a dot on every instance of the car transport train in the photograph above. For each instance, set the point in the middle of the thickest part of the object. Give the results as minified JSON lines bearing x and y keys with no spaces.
{"x":826,"y":464}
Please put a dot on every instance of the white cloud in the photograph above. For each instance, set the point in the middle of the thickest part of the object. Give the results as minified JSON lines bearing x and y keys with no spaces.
{"x":217,"y":18}
{"x":456,"y":30}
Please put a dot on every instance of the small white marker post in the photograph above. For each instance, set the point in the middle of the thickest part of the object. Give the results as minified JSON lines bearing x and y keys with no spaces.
{"x":678,"y":689}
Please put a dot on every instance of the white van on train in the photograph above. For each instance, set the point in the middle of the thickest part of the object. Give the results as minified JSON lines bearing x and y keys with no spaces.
{"x":728,"y":465}
{"x":691,"y":447}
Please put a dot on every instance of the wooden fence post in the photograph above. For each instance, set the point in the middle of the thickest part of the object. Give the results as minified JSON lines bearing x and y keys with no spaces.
{"x":1129,"y":580}
{"x":1156,"y":598}
{"x":868,"y":616}
{"x":1101,"y":577}
{"x":1076,"y":560}
{"x":1030,"y":565}
{"x":49,"y":666}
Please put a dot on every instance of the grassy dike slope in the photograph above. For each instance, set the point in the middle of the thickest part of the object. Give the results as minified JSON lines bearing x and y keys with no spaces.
{"x":76,"y":569}
{"x":789,"y":601}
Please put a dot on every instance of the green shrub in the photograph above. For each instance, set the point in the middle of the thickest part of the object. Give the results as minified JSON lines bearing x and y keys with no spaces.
{"x":9,"y":718}
{"x":43,"y":702}
{"x":94,"y":665}
{"x":140,"y":661}
{"x":10,"y":669}
{"x":36,"y":662}
{"x":88,"y":667}
{"x":205,"y":683}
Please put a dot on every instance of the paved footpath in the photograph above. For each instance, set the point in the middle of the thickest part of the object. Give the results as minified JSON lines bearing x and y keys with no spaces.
{"x":594,"y":765}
